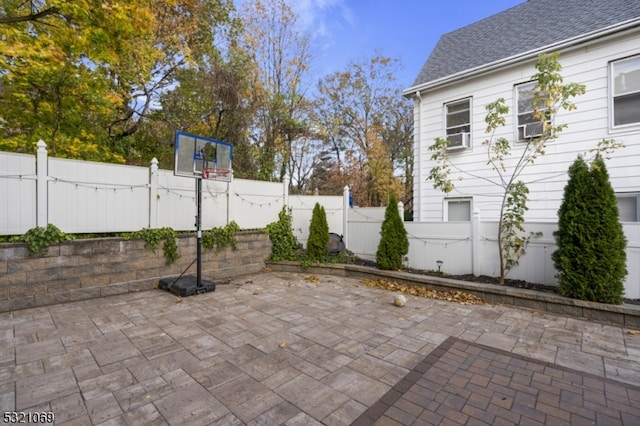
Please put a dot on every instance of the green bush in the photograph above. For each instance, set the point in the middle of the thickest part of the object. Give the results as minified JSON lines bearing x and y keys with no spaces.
{"x":394,"y":244}
{"x":153,"y":236}
{"x":590,"y":259}
{"x":39,"y":239}
{"x":221,"y":237}
{"x":284,"y":243}
{"x":318,"y":233}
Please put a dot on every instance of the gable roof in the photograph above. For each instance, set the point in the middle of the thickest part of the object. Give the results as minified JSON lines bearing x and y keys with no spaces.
{"x":529,"y":27}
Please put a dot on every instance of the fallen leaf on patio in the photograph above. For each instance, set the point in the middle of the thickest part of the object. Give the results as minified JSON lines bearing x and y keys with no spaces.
{"x":634,"y":332}
{"x":179,"y":300}
{"x":282,"y":345}
{"x":312,"y":279}
{"x":421,"y":291}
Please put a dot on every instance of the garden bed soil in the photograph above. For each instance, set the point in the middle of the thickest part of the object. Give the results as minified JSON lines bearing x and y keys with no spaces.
{"x":483,"y":279}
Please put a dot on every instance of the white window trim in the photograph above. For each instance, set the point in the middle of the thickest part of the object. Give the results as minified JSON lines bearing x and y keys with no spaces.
{"x":445,"y":207}
{"x":636,"y":196}
{"x":516,"y":96}
{"x":611,"y":94}
{"x":445,"y":106}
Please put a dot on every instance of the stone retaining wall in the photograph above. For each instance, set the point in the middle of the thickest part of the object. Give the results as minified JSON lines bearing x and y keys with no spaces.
{"x":621,"y":315}
{"x":84,"y":269}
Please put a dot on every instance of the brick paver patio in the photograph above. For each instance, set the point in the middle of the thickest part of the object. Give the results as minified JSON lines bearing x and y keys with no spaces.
{"x":285,"y":348}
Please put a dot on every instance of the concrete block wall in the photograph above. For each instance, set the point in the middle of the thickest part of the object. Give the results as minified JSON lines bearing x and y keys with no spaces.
{"x":84,"y":269}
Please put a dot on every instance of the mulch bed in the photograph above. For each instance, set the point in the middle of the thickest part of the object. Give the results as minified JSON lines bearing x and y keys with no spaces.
{"x":483,"y":279}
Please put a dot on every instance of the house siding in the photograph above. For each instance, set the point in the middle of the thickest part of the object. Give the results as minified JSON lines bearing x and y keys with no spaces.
{"x":589,"y":124}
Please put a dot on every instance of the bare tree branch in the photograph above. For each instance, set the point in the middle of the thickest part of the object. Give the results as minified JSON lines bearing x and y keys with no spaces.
{"x":33,"y":17}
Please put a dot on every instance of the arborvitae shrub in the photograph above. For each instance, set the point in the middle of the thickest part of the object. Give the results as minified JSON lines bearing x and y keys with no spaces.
{"x":318,"y":233}
{"x":284,"y":243}
{"x":394,"y":244}
{"x":590,"y":259}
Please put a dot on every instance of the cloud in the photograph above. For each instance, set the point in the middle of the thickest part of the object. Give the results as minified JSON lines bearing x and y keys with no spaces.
{"x":322,"y":19}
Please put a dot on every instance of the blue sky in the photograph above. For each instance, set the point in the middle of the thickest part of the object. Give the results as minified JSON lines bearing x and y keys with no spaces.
{"x":352,"y":30}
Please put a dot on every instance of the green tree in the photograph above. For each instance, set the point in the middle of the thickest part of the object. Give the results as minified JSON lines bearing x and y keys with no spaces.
{"x":394,"y":244}
{"x":212,"y":100}
{"x":318,"y":233}
{"x":187,"y":35}
{"x":590,"y":259}
{"x":82,"y":75}
{"x":56,"y":60}
{"x":550,"y":95}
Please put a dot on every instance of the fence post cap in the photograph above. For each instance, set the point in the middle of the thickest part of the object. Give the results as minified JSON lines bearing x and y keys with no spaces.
{"x":41,"y":144}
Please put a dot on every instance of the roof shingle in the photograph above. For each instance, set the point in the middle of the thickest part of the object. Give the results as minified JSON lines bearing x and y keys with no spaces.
{"x":531,"y":25}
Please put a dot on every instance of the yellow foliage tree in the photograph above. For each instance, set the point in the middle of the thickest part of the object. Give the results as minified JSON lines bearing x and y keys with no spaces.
{"x":379,"y":168}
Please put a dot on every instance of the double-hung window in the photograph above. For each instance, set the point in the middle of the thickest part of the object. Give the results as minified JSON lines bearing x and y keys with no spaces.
{"x":529,"y":127}
{"x":458,"y":123}
{"x":625,"y":76}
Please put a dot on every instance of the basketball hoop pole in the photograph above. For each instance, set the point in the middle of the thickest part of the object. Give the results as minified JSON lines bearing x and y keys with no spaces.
{"x":199,"y":233}
{"x":193,"y":154}
{"x":199,"y":223}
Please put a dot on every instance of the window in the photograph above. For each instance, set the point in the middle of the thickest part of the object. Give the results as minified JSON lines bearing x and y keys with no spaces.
{"x":528,"y":126}
{"x":458,"y":209}
{"x":626,"y":91}
{"x":628,"y":207}
{"x":458,"y":123}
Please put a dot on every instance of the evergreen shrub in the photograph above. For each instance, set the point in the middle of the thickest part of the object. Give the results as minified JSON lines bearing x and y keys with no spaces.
{"x":394,"y":244}
{"x":318,"y":233}
{"x":590,"y":259}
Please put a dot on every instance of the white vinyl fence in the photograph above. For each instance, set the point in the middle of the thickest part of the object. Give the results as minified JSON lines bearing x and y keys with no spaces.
{"x":471,"y":248}
{"x":88,"y":197}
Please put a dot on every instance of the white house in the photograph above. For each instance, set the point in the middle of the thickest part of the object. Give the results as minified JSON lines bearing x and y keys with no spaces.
{"x":599,"y":46}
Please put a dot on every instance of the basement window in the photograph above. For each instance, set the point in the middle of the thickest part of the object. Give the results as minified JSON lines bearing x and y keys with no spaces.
{"x":628,"y":206}
{"x":457,"y":209}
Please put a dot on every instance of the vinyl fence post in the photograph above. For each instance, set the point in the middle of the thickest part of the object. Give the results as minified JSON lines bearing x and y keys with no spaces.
{"x":401,"y":210}
{"x":475,"y":242}
{"x":42,"y":176}
{"x":153,"y":193}
{"x":285,"y":191}
{"x":228,"y":195}
{"x":345,"y":215}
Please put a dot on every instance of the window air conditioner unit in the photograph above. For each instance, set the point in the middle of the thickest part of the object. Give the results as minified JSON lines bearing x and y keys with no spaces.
{"x":459,"y":141}
{"x":533,"y":130}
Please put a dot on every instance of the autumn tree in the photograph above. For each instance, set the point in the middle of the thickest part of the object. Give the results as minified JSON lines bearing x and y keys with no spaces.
{"x":305,"y":156}
{"x":212,"y":100}
{"x":83,"y":74}
{"x":186,"y":35}
{"x":281,"y":56}
{"x":358,"y":113}
{"x":55,"y":63}
{"x":550,"y":95}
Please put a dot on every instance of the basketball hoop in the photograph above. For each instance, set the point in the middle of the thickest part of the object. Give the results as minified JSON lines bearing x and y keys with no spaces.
{"x":215,"y":173}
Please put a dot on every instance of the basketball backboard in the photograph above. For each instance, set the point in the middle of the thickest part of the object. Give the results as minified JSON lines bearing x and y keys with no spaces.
{"x":200,"y":157}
